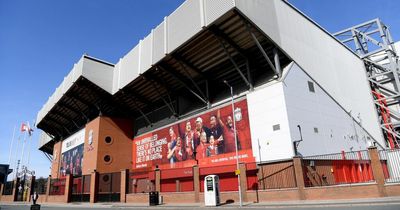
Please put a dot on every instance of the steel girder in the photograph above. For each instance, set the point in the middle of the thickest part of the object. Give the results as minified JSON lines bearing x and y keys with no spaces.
{"x":372,"y":42}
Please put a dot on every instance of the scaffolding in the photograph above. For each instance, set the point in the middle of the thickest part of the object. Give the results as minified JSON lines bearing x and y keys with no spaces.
{"x":372,"y":42}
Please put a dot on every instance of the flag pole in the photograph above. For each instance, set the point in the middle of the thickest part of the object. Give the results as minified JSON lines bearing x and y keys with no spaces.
{"x":30,"y":132}
{"x":23,"y":148}
{"x":16,"y":155}
{"x":11,"y":145}
{"x":29,"y":149}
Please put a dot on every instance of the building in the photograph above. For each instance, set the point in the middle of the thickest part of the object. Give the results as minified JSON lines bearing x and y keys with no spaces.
{"x":297,"y":90}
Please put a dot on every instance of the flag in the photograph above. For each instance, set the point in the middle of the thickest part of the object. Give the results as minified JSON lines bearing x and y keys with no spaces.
{"x":25,"y":127}
{"x":29,"y":129}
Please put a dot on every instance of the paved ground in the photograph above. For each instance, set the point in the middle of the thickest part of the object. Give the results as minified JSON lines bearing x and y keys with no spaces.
{"x":390,"y":203}
{"x":349,"y":207}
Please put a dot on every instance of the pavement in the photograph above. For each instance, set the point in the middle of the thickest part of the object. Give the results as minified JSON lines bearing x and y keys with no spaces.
{"x":362,"y":204}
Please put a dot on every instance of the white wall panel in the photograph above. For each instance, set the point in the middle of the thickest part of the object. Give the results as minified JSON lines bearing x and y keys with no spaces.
{"x":146,"y":53}
{"x":183,"y":23}
{"x":129,"y":67}
{"x":68,"y":81}
{"x":334,"y":67}
{"x":215,"y":9}
{"x":267,"y":108}
{"x":158,"y":43}
{"x":336,"y":130}
{"x":77,"y":70}
{"x":98,"y":73}
{"x":116,"y":78}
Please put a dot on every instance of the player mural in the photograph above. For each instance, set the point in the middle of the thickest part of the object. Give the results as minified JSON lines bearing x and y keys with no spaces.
{"x":72,"y":154}
{"x":208,"y":139}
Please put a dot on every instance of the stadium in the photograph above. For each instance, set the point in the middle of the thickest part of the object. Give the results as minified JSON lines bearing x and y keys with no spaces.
{"x":245,"y":89}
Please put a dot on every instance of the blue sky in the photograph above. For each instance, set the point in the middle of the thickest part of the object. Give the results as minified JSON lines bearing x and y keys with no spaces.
{"x":41,"y":40}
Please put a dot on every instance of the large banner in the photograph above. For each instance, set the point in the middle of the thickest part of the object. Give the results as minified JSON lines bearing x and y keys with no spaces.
{"x":72,"y":154}
{"x":208,"y":139}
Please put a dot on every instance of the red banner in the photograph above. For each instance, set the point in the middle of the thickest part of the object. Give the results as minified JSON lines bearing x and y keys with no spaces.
{"x":208,"y":139}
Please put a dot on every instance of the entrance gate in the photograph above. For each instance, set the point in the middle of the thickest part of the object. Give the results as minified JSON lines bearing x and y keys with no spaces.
{"x":109,"y":187}
{"x":80,"y":188}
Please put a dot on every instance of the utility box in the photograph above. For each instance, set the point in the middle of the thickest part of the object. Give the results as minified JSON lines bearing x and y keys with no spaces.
{"x":154,"y":198}
{"x":211,"y":190}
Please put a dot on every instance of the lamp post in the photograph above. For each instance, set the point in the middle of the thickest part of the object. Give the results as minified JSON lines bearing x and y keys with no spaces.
{"x":236,"y":143}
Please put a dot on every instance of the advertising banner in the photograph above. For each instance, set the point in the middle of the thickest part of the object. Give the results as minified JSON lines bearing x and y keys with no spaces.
{"x":207,"y":139}
{"x":72,"y":154}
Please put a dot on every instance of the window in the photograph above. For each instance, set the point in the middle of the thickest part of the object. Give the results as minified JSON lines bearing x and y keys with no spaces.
{"x":108,"y":140}
{"x":107,"y":158}
{"x":106,"y":178}
{"x":311,"y":87}
{"x":315,"y":130}
{"x":276,"y":127}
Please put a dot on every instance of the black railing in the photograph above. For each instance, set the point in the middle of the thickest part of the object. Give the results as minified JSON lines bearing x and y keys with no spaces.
{"x":40,"y":186}
{"x":8,"y":188}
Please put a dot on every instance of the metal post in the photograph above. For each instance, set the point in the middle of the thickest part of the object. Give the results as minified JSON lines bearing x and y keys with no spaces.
{"x":262,"y":170}
{"x":11,"y":145}
{"x":236,"y":146}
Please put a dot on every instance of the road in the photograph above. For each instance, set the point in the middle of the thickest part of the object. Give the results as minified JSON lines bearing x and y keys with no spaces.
{"x":381,"y":206}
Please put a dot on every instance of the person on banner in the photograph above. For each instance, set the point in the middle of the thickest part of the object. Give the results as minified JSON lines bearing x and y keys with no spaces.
{"x":212,"y":148}
{"x":229,"y":133}
{"x":189,"y":143}
{"x":78,"y":169}
{"x":201,"y":149}
{"x":171,"y":145}
{"x":198,"y":130}
{"x":176,"y":153}
{"x":216,"y":131}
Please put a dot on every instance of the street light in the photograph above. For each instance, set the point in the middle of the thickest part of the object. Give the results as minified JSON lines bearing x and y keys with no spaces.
{"x":236,"y":143}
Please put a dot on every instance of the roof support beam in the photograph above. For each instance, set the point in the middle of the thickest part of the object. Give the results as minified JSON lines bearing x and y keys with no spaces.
{"x":51,"y":130}
{"x":79,"y":107}
{"x":194,"y":83}
{"x":169,"y":105}
{"x":137,"y":96}
{"x":222,"y":37}
{"x":277,"y":62}
{"x":58,"y":113}
{"x":190,"y":65}
{"x":55,"y":123}
{"x":234,"y":63}
{"x":260,"y":47}
{"x":129,"y":94}
{"x":180,"y":79}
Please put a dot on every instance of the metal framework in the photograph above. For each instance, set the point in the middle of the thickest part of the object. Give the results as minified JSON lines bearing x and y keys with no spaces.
{"x":374,"y":44}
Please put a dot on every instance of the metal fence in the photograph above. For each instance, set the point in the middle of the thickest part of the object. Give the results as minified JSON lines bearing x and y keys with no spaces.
{"x":40,"y":186}
{"x":81,"y":188}
{"x":57,"y":186}
{"x":8,"y":188}
{"x":276,"y":176}
{"x":390,"y":160}
{"x":109,"y":187}
{"x":338,"y":168}
{"x":139,"y":182}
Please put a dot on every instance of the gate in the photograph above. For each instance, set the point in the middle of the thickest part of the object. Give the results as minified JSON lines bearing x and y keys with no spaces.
{"x":80,"y":188}
{"x":109,"y":187}
{"x":22,"y":188}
